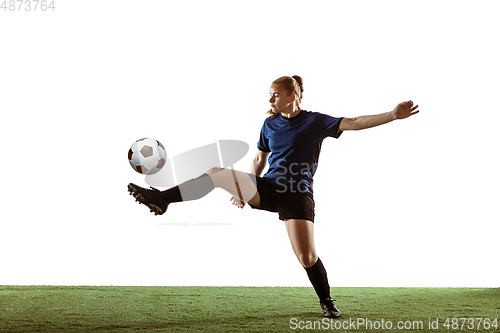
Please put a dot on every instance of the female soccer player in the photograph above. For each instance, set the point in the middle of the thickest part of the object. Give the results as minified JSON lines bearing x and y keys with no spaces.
{"x":290,"y":140}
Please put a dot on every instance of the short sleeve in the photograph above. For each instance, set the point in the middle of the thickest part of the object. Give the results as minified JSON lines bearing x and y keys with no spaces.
{"x":328,"y":125}
{"x":263,"y":143}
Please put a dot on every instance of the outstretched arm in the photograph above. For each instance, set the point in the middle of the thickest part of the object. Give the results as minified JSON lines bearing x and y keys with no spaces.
{"x":401,"y":111}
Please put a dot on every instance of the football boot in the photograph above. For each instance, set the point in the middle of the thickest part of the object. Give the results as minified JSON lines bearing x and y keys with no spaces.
{"x":149,"y":197}
{"x":329,"y":308}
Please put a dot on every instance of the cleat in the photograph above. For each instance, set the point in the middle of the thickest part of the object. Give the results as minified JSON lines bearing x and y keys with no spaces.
{"x":151,"y":198}
{"x":329,"y":308}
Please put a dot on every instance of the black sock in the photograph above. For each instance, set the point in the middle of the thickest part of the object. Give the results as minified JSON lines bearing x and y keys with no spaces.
{"x":191,"y":190}
{"x":319,"y":280}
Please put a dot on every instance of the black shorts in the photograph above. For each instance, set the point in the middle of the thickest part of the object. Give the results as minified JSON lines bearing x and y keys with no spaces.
{"x":289,"y":205}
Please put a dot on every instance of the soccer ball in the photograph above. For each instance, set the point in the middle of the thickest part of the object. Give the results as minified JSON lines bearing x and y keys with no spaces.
{"x":147,"y":156}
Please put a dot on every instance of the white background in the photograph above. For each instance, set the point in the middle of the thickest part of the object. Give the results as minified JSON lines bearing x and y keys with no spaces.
{"x":411,"y":203}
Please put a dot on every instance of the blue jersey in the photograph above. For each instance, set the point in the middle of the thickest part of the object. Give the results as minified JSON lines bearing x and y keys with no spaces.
{"x":295,"y":144}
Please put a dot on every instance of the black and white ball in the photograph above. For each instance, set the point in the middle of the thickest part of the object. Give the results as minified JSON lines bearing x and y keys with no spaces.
{"x":147,"y":156}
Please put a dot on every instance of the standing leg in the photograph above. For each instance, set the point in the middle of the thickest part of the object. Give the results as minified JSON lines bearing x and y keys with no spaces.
{"x":301,"y":234}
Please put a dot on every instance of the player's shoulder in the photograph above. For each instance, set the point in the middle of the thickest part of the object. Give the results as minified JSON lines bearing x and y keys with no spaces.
{"x":268,"y":123}
{"x":321,"y":115}
{"x":313,"y":114}
{"x":271,"y":119}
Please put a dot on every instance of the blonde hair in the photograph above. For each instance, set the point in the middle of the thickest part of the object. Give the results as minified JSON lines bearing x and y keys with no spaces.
{"x":291,"y":84}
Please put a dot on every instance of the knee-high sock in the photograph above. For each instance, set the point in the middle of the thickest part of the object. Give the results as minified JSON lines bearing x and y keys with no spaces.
{"x":191,"y":190}
{"x":319,"y":280}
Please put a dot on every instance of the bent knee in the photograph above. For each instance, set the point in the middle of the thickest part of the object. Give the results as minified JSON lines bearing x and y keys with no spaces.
{"x":214,"y":170}
{"x":307,"y":259}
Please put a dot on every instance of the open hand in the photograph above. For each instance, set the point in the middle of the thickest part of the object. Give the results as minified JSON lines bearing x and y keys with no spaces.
{"x":405,"y":110}
{"x":237,"y":202}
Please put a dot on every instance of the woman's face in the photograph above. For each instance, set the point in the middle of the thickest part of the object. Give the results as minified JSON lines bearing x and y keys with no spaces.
{"x":280,"y":100}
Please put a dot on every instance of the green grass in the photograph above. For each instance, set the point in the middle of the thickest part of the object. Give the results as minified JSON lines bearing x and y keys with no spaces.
{"x":231,"y":309}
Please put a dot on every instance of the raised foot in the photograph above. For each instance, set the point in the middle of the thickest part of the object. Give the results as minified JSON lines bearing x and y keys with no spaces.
{"x":148,"y":197}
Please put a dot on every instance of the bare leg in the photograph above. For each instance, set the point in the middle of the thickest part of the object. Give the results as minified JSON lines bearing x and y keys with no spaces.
{"x":301,"y":234}
{"x":237,"y":183}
